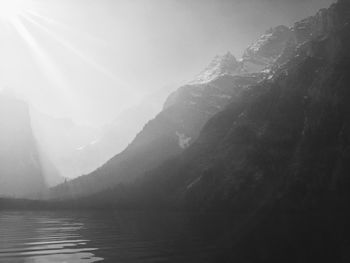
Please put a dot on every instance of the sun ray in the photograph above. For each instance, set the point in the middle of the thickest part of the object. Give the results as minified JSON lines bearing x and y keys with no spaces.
{"x":67,"y":28}
{"x":26,"y":16}
{"x":47,"y":65}
{"x":77,"y":52}
{"x":10,"y":9}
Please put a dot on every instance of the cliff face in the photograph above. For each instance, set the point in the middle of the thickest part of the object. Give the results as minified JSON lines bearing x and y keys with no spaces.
{"x":20,"y":165}
{"x":266,"y":50}
{"x":324,"y":22}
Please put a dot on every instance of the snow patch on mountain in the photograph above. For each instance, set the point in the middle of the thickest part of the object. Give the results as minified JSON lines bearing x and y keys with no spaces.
{"x":220,"y":65}
{"x":223,"y":96}
{"x":89,"y":144}
{"x":263,"y":53}
{"x":184,"y":141}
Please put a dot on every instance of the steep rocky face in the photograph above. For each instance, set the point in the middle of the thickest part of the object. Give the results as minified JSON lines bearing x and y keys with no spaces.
{"x":20,"y":164}
{"x":220,"y":65}
{"x":324,"y":22}
{"x":264,"y":52}
{"x":259,"y":56}
{"x":173,"y":130}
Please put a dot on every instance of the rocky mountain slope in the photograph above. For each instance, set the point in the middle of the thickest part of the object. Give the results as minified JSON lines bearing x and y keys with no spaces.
{"x":20,"y":162}
{"x":224,"y":82}
{"x":77,"y":149}
{"x":170,"y":132}
{"x":290,"y":130}
{"x":277,"y":157}
{"x":185,"y":112}
{"x":266,"y":51}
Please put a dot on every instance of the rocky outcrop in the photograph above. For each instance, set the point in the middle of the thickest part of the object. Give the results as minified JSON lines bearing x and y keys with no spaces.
{"x":323,"y":23}
{"x":265,"y":51}
{"x":221,"y":65}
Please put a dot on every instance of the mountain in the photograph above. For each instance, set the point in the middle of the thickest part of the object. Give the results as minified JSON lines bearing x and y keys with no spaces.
{"x":77,"y":149}
{"x":277,"y":157}
{"x":184,"y":114}
{"x":20,"y":162}
{"x":289,"y":130}
{"x":115,"y":136}
{"x":63,"y":142}
{"x":186,"y":111}
{"x":259,"y":56}
{"x":220,"y":65}
{"x":267,"y":49}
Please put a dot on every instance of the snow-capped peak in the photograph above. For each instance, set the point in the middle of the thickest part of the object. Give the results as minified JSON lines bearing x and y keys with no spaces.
{"x":220,"y":65}
{"x":269,"y":45}
{"x":264,"y":52}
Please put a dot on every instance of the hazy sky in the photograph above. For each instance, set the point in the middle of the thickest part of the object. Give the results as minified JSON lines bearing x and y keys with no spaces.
{"x":91,"y":59}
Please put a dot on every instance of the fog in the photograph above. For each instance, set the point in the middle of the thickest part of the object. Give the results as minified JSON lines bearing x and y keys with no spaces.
{"x":93,"y":62}
{"x":174,"y":131}
{"x":90,"y":60}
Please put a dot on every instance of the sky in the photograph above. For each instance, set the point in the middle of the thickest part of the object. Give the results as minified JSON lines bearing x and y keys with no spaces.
{"x":92,"y":60}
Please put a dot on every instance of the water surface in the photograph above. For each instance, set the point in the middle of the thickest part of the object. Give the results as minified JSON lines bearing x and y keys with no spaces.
{"x":42,"y":236}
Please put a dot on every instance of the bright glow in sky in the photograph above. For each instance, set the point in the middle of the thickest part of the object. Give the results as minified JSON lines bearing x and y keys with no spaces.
{"x":10,"y":9}
{"x":92,"y":59}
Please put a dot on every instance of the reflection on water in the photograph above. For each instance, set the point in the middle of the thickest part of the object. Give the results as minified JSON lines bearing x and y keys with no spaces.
{"x":43,"y":237}
{"x":112,"y":237}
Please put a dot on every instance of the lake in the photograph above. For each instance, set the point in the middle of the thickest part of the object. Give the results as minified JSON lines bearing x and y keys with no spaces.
{"x":64,"y":236}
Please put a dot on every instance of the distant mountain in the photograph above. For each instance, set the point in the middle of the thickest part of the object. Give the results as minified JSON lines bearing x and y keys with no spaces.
{"x":115,"y":136}
{"x":267,"y":49}
{"x":184,"y":114}
{"x":77,"y":149}
{"x":225,"y":81}
{"x":259,"y":56}
{"x":220,"y":65}
{"x":170,"y":132}
{"x":63,"y":141}
{"x":20,"y":161}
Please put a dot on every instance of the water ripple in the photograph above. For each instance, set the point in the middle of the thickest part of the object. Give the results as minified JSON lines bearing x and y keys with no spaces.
{"x":79,"y":237}
{"x":26,"y":237}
